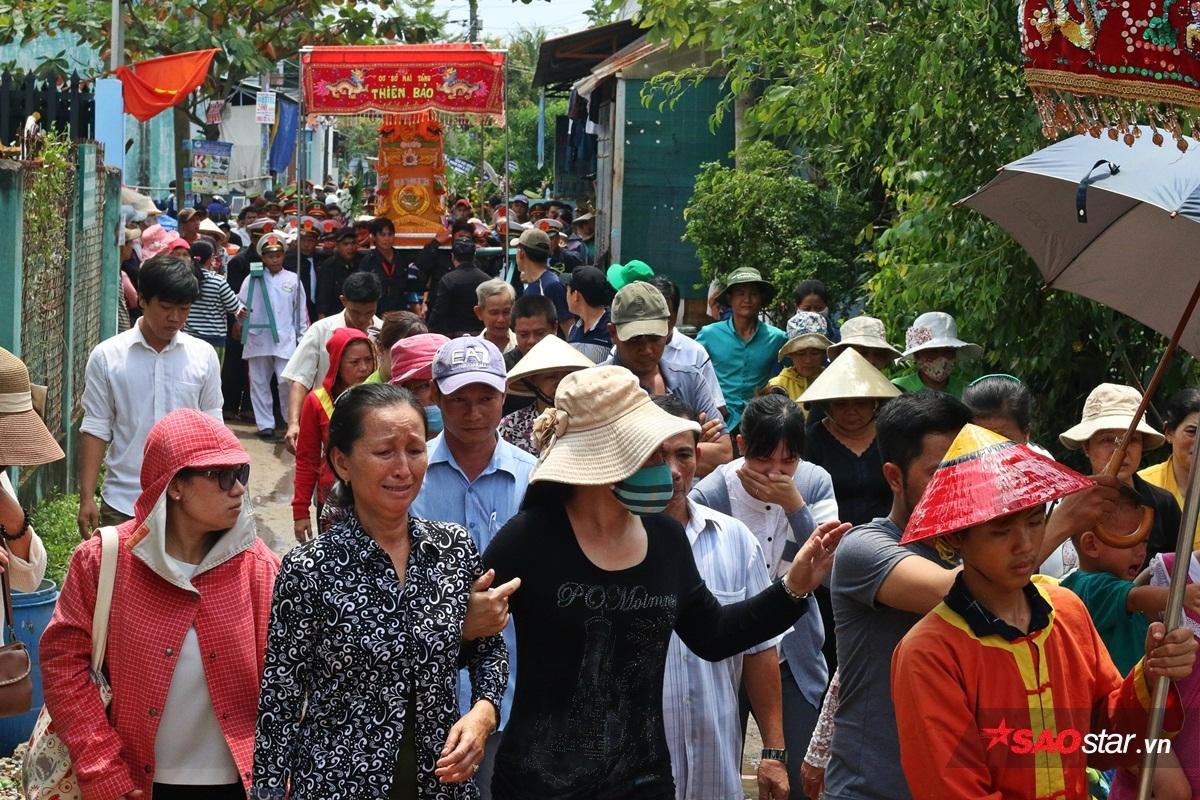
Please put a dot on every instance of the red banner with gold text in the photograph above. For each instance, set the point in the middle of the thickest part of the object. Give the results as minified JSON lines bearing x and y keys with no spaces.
{"x":402,"y":80}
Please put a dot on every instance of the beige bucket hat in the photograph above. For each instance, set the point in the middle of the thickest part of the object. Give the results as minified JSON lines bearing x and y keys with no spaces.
{"x":863,"y":332}
{"x":1110,"y":406}
{"x":551,"y":354}
{"x":805,"y":330}
{"x":850,"y":376}
{"x":602,"y":429}
{"x":24,"y":439}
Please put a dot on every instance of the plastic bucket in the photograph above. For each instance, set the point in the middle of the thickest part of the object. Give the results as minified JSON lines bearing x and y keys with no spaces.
{"x":31,"y":615}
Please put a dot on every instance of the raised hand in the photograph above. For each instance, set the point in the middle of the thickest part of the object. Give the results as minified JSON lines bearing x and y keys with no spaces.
{"x":815,"y":559}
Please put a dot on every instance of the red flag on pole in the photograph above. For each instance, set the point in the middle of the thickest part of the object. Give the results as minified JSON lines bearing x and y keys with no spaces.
{"x":160,"y":83}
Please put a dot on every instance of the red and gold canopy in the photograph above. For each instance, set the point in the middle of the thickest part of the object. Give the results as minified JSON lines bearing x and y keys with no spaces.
{"x":402,"y":83}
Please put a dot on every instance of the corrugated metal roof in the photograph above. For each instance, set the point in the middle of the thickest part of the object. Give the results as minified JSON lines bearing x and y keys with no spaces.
{"x":622,"y":59}
{"x":564,"y":59}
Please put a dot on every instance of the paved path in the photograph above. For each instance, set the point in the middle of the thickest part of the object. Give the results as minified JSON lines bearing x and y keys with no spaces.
{"x":271,"y":475}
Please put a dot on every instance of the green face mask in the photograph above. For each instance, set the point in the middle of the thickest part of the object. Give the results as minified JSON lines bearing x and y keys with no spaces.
{"x":647,"y":491}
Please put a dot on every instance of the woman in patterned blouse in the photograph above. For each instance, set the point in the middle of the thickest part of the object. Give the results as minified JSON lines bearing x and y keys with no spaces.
{"x":358,"y":694}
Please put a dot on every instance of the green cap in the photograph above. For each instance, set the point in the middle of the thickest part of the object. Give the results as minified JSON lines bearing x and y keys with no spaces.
{"x":621,"y":275}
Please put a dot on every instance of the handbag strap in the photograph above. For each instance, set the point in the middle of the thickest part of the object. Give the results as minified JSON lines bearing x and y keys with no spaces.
{"x":7,"y":584}
{"x":104,"y":595}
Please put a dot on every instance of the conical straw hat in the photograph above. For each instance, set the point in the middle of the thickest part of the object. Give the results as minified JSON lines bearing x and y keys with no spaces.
{"x":551,"y":354}
{"x":850,"y":376}
{"x":982,"y":477}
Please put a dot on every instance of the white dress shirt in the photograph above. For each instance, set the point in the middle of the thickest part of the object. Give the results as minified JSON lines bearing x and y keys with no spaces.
{"x":685,"y":350}
{"x":129,"y":386}
{"x":291,"y":315}
{"x":700,"y":698}
{"x":309,"y":365}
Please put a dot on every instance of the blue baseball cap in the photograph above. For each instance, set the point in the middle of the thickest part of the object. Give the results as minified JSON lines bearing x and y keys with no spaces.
{"x":467,"y":360}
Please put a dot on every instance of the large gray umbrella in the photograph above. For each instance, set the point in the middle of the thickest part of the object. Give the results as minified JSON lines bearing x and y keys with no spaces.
{"x":1138,"y":252}
{"x":1117,"y":224}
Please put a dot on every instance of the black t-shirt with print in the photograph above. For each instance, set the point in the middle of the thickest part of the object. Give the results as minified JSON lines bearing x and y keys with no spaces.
{"x":586,"y":720}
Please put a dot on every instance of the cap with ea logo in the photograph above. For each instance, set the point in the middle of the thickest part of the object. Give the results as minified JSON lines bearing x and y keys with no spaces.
{"x":467,"y":360}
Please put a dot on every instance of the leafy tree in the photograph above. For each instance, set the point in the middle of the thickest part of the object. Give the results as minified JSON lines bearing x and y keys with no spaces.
{"x":489,"y":144}
{"x":761,"y":214}
{"x":914,"y":106}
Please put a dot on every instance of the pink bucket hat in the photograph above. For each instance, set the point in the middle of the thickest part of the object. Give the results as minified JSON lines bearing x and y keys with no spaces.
{"x":412,"y":358}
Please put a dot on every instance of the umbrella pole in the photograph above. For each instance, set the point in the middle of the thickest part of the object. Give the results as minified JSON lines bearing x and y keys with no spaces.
{"x":1183,"y":556}
{"x":1118,"y":455}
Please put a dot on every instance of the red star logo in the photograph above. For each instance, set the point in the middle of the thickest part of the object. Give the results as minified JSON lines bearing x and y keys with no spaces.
{"x":999,"y":734}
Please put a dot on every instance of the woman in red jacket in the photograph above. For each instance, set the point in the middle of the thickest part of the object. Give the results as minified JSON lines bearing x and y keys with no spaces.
{"x":351,"y":361}
{"x":187,"y":631}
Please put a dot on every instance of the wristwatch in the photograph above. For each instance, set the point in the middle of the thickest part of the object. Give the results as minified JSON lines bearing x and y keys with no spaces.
{"x":773,"y":755}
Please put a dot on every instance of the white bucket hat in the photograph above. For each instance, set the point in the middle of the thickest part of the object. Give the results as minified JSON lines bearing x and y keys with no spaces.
{"x":551,"y":354}
{"x":863,"y":332}
{"x":602,"y":428}
{"x":1110,"y":406}
{"x":850,"y":376}
{"x":806,"y":329}
{"x":935,"y":329}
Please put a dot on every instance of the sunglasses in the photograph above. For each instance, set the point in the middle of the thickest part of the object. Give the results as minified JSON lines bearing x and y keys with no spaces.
{"x":226,"y":476}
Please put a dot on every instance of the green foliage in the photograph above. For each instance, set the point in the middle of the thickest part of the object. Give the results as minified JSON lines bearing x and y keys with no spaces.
{"x":913,"y":106}
{"x":761,"y":214}
{"x":602,"y":12}
{"x":54,"y":521}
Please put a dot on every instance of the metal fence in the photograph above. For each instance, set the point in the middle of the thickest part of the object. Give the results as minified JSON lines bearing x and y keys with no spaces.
{"x":66,"y":105}
{"x":59,"y":284}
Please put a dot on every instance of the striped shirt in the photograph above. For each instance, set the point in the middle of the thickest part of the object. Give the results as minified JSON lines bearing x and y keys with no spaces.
{"x":207,"y":319}
{"x":700,"y":698}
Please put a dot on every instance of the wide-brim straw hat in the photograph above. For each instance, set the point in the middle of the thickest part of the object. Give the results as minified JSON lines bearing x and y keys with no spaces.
{"x":934,"y":330}
{"x":849,"y":377}
{"x":551,"y":354}
{"x":867,"y":332}
{"x":1110,"y":406}
{"x":24,"y":438}
{"x":603,"y":428}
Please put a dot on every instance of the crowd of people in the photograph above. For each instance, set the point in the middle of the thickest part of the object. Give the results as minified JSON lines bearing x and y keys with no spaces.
{"x":550,"y":546}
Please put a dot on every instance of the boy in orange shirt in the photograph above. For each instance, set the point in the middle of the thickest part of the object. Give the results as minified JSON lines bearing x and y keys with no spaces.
{"x":1005,"y":690}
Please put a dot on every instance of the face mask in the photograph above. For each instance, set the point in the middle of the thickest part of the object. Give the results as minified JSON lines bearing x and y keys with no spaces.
{"x":937,"y":369}
{"x":824,"y":312}
{"x":647,"y":491}
{"x":433,"y":419}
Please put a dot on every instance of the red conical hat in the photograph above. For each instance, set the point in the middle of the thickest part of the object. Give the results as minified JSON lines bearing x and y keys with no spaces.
{"x":984,"y":476}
